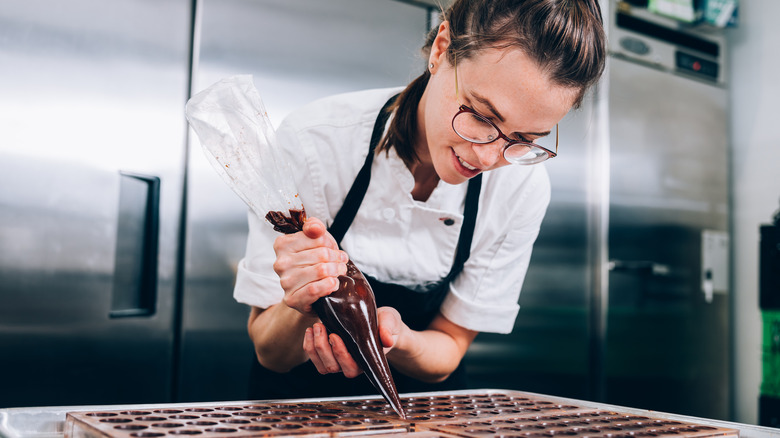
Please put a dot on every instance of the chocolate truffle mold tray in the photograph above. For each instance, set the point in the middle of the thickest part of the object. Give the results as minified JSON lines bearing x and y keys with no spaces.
{"x":277,"y":419}
{"x":489,"y":413}
{"x":593,"y":424}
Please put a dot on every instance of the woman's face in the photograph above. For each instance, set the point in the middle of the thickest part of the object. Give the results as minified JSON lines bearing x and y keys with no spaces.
{"x":502,"y":85}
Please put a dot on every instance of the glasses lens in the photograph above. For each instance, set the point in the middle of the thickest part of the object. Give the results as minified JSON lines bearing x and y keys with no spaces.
{"x":474,"y":128}
{"x":525,"y":154}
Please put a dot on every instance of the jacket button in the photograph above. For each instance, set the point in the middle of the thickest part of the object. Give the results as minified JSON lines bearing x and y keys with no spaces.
{"x":448,"y":221}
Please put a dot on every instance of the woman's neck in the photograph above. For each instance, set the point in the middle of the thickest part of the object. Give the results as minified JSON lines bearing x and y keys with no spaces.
{"x":425,"y":177}
{"x":425,"y":180}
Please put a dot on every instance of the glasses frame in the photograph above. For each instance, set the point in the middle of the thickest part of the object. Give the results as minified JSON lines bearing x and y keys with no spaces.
{"x":509,"y":141}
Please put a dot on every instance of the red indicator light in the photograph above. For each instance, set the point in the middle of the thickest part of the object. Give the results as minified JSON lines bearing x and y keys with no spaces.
{"x":696,"y":66}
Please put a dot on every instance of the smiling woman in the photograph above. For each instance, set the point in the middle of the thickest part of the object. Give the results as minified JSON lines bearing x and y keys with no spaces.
{"x":445,"y":259}
{"x":512,"y":90}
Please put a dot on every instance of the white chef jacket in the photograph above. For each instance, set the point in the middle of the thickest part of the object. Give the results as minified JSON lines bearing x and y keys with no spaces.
{"x":393,"y":237}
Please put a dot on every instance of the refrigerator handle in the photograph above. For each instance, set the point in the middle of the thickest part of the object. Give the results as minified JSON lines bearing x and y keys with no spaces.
{"x":135,"y":264}
{"x":640,"y":267}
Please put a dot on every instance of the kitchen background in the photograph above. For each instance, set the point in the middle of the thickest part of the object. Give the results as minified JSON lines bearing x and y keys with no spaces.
{"x":118,"y":243}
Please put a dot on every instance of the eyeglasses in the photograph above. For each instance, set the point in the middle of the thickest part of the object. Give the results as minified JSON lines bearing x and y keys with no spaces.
{"x":476,"y":128}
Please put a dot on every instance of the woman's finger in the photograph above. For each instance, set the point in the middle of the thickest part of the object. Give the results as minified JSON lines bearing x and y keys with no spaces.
{"x":298,"y":242}
{"x":303,"y":298}
{"x":315,"y":229}
{"x":349,"y":367}
{"x":390,"y":327}
{"x":308,"y":347}
{"x":324,"y":352}
{"x":292,"y":278}
{"x":308,"y":257}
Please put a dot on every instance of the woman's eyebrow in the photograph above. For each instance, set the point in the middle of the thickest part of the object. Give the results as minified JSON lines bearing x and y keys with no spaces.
{"x":484,"y":101}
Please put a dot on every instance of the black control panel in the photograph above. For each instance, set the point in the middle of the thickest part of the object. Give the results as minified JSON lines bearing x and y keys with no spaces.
{"x":769,"y":277}
{"x":696,"y":65}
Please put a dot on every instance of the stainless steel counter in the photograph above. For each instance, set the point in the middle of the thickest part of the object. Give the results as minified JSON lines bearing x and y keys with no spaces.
{"x":49,"y":422}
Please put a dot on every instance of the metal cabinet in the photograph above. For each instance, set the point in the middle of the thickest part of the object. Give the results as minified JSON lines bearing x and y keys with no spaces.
{"x":92,"y":143}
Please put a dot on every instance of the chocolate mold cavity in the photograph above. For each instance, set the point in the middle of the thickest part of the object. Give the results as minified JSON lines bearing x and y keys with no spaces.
{"x":150,"y":418}
{"x":130,"y":427}
{"x":221,"y":430}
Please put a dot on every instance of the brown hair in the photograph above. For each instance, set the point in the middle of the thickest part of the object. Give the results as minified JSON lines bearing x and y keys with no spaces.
{"x":565,"y":37}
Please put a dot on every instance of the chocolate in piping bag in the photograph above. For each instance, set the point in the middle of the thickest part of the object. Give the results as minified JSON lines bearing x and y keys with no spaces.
{"x":350,"y":312}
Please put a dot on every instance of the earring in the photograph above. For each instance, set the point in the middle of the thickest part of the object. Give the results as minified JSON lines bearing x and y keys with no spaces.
{"x":430,"y":66}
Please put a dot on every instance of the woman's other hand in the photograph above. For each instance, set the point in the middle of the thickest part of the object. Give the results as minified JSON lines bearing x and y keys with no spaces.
{"x":329,"y":354}
{"x":308,"y":264}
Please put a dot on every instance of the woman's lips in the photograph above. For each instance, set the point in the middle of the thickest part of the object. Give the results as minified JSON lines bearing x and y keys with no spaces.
{"x":463,"y":167}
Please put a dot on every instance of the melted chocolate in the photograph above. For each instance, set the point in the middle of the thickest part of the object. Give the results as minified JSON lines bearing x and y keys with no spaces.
{"x":350,"y":312}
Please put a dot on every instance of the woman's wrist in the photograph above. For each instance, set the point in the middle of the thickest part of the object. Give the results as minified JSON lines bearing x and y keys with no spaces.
{"x":407,"y":346}
{"x":278,"y":336}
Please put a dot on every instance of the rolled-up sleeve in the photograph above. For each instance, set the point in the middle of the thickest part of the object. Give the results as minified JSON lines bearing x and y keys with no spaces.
{"x":484,"y":297}
{"x":488,"y":302}
{"x":256,"y":282}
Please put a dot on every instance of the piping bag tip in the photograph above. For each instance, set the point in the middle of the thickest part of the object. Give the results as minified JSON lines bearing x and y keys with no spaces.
{"x":400,"y":411}
{"x":390,"y":394}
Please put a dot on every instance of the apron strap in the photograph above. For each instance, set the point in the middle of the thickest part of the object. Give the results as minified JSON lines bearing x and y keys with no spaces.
{"x":467,"y":230}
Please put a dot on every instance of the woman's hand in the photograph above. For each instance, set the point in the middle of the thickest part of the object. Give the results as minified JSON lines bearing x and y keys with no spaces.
{"x":329,"y":353}
{"x":308,"y":264}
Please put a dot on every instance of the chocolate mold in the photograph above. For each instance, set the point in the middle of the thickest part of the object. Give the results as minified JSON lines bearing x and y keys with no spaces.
{"x":487,"y":414}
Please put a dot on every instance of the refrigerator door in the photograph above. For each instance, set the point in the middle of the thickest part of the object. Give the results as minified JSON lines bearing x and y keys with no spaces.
{"x":297,"y":51}
{"x":91,"y":170}
{"x":667,"y":339}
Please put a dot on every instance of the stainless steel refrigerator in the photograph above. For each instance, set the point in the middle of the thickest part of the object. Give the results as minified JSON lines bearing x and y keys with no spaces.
{"x":92,"y":149}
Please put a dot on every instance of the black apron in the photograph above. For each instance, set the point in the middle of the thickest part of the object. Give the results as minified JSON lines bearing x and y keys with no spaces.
{"x":416,"y":308}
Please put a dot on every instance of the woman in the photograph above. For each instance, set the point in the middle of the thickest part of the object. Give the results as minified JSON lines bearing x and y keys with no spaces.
{"x":427,"y":204}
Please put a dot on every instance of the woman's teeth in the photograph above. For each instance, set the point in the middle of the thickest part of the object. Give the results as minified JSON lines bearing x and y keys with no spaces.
{"x":465,"y":164}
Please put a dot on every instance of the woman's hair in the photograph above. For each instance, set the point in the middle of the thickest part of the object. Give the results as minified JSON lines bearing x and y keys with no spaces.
{"x":564,"y":37}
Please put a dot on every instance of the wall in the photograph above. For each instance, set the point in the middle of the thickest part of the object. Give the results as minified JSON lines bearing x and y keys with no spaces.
{"x":756,"y":185}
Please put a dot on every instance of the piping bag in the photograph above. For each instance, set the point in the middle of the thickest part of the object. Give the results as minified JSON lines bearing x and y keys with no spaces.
{"x":238,"y":138}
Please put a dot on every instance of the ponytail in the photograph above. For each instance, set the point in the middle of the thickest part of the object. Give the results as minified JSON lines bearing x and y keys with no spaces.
{"x":403,"y":127}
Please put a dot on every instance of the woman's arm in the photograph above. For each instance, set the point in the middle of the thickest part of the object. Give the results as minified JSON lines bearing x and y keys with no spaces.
{"x":277,"y":333}
{"x":433,"y":354}
{"x":430,"y":355}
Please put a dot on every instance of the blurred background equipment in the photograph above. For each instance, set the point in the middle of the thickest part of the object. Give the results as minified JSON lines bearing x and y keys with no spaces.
{"x":769,"y":296}
{"x":119,"y":242}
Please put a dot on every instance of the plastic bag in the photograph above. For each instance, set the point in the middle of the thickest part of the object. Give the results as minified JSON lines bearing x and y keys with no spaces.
{"x":239,"y":140}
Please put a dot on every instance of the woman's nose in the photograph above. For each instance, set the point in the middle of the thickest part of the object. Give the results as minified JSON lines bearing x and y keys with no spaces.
{"x":488,"y":154}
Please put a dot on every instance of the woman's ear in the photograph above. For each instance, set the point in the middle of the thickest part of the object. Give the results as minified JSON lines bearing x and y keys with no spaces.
{"x":439,"y":47}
